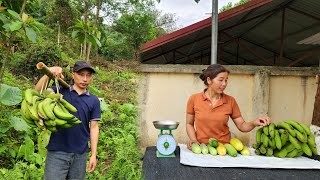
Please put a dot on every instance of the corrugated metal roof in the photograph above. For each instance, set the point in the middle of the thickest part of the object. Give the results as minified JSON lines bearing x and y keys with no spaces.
{"x":248,"y":34}
{"x":314,"y":40}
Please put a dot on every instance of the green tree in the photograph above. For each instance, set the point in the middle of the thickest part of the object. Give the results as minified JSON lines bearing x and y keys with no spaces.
{"x":229,"y":5}
{"x":62,"y":13}
{"x":15,"y":27}
{"x":85,"y":32}
{"x":138,"y":29}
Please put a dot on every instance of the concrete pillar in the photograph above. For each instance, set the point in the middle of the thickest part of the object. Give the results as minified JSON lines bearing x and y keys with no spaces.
{"x":260,"y":98}
{"x":143,"y":101}
{"x":316,"y":108}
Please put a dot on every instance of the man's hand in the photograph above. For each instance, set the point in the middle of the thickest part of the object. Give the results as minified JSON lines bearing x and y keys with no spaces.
{"x":92,"y":164}
{"x":56,"y":71}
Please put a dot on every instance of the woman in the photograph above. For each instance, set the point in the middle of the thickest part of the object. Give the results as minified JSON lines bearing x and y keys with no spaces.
{"x":208,"y":112}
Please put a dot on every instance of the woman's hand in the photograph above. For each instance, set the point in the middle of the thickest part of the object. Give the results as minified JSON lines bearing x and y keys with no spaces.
{"x":190,"y":143}
{"x":262,"y":121}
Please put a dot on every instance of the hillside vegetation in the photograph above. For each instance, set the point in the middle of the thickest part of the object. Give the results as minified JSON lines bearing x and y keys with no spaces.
{"x":119,"y":156}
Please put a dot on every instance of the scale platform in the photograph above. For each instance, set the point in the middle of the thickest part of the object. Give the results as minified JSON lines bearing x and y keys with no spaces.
{"x":166,"y":144}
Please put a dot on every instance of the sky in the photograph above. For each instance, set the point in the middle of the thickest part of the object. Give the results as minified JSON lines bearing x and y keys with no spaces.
{"x":189,"y":12}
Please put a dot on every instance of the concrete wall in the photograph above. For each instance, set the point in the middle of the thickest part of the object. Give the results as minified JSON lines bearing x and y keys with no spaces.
{"x":279,"y":92}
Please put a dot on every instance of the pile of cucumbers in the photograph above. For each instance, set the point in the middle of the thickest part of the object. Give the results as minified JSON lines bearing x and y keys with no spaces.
{"x":285,"y":139}
{"x":47,"y":110}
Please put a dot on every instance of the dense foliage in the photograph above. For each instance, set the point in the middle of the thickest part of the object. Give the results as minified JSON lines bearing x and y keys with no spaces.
{"x":22,"y":149}
{"x":230,"y":5}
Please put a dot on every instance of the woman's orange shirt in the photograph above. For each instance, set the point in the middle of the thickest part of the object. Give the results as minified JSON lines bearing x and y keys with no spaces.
{"x":212,"y":121}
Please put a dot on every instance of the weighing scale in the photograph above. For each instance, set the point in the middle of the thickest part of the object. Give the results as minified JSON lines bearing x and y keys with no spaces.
{"x":166,"y":145}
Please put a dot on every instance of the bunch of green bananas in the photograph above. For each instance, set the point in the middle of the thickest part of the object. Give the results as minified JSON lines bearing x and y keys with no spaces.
{"x":47,"y":110}
{"x":286,"y":139}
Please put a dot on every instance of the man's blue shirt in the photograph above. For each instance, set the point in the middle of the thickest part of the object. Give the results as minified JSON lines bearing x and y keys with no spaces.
{"x":75,"y":139}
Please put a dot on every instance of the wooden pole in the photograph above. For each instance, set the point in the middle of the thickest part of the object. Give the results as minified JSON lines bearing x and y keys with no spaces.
{"x":45,"y":70}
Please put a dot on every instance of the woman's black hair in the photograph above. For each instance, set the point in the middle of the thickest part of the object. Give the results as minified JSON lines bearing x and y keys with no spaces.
{"x":212,"y":71}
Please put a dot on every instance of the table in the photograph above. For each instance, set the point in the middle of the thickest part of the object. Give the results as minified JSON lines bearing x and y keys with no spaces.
{"x":170,"y":168}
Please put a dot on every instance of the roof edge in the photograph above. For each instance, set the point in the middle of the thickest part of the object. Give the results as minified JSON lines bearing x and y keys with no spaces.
{"x":203,"y":24}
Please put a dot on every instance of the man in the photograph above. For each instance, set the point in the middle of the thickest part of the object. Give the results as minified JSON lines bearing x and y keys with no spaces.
{"x":68,"y":147}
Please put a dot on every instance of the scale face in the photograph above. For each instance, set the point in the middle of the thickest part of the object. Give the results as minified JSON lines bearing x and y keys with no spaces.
{"x":166,"y":144}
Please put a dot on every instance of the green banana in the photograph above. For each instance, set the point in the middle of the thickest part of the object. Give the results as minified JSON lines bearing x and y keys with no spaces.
{"x":67,"y":105}
{"x":269,"y":152}
{"x":36,"y":122}
{"x":75,"y":120}
{"x":292,"y":154}
{"x":312,"y":144}
{"x":46,"y":92}
{"x":25,"y":111}
{"x":258,"y":136}
{"x":28,"y":121}
{"x":257,"y":152}
{"x":277,"y":139}
{"x":282,"y":131}
{"x":50,"y":123}
{"x":66,"y":125}
{"x":271,"y":130}
{"x":47,"y":111}
{"x":306,"y":128}
{"x":300,"y":152}
{"x":265,"y":140}
{"x":284,"y":137}
{"x":34,"y":108}
{"x":314,"y":150}
{"x":33,"y":112}
{"x":256,"y":145}
{"x":54,"y":96}
{"x":64,"y":109}
{"x":60,"y":122}
{"x":266,"y":130}
{"x":41,"y":113}
{"x":42,"y":125}
{"x":35,"y":99}
{"x":295,"y":142}
{"x":306,"y":149}
{"x":60,"y":114}
{"x":28,"y":96}
{"x":311,"y":140}
{"x":262,"y":149}
{"x":280,"y":153}
{"x":301,"y":136}
{"x":289,"y":147}
{"x":296,"y":125}
{"x":48,"y":105}
{"x":288,"y":127}
{"x":52,"y":129}
{"x":272,"y":143}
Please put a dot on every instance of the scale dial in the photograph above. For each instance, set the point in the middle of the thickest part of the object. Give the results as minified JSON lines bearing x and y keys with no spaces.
{"x":166,"y":144}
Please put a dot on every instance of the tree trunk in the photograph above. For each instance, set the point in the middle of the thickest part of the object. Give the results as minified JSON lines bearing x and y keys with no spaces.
{"x":23,"y":7}
{"x":58,"y":34}
{"x":4,"y":64}
{"x":84,"y":48}
{"x":316,"y":109}
{"x":94,"y":25}
{"x":85,"y":18}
